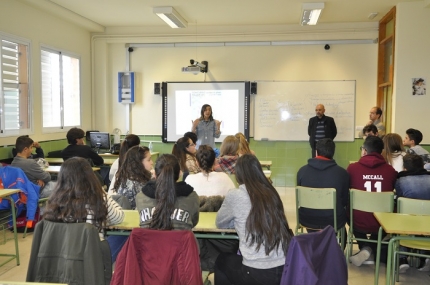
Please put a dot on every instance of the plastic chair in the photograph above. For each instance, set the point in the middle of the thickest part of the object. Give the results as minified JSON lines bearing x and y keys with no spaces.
{"x":318,"y":198}
{"x":416,"y":207}
{"x":368,"y":202}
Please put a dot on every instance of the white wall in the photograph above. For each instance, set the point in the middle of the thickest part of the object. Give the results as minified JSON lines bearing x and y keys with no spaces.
{"x":283,"y":63}
{"x":41,"y":28}
{"x":412,"y":59}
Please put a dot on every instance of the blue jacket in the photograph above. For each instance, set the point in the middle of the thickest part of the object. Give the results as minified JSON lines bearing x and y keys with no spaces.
{"x":414,"y":185}
{"x":14,"y":178}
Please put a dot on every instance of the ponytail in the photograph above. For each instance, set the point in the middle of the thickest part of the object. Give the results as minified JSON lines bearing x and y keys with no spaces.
{"x":167,"y":171}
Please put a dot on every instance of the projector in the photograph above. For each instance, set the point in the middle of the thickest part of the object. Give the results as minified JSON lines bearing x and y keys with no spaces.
{"x":191,"y":69}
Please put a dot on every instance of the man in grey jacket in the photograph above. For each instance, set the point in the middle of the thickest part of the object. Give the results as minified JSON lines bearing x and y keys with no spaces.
{"x":33,"y":171}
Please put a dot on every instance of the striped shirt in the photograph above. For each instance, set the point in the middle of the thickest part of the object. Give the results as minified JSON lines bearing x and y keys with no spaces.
{"x":115,"y":214}
{"x":320,"y":132}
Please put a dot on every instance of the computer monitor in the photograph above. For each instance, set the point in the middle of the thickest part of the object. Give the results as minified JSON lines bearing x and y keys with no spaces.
{"x":100,"y":140}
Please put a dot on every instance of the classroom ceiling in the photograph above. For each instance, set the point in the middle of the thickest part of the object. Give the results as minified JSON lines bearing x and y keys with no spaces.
{"x":131,"y":13}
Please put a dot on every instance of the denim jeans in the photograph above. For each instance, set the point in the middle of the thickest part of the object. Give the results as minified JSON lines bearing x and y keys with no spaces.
{"x":230,"y":270}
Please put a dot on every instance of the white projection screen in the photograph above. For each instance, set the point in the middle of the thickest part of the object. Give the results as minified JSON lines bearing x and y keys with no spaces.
{"x":182,"y":103}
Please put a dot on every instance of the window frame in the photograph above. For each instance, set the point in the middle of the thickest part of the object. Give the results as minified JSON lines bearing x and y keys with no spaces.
{"x":17,"y":132}
{"x":61,"y":52}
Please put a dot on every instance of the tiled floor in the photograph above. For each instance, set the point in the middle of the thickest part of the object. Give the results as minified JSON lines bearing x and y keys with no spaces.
{"x":357,"y":275}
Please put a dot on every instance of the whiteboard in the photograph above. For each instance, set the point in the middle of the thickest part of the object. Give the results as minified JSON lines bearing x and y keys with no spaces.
{"x":282,"y":109}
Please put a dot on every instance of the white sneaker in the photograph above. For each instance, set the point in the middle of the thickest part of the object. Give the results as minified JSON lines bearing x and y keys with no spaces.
{"x":426,"y":266}
{"x":403,"y":265}
{"x":370,"y":260}
{"x":361,"y":256}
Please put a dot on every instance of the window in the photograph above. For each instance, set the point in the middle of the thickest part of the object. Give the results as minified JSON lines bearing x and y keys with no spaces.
{"x":15,"y":118}
{"x":61,"y":95}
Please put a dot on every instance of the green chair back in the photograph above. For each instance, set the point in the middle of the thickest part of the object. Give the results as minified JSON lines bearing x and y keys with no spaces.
{"x":315,"y":198}
{"x":413,"y":206}
{"x":371,"y":201}
{"x":368,"y":202}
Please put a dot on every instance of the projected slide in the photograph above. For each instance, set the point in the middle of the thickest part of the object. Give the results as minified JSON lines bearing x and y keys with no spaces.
{"x":184,"y":100}
{"x":189,"y":103}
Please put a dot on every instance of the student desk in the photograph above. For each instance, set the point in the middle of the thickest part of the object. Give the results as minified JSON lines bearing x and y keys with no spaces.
{"x":6,"y":194}
{"x":108,"y":155}
{"x":56,"y":168}
{"x":59,"y":161}
{"x":205,"y":228}
{"x":400,"y":224}
{"x":266,"y":163}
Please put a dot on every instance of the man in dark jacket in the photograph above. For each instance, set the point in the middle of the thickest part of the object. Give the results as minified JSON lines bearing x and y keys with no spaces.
{"x":372,"y":174}
{"x":323,"y":172}
{"x":320,"y":127}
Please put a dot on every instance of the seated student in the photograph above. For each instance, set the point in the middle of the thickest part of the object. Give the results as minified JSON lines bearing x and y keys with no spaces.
{"x":128,"y":142}
{"x":256,"y":211}
{"x":76,"y":147}
{"x":185,"y":151}
{"x":208,"y":182}
{"x":370,"y":130}
{"x":412,"y":140}
{"x":165,"y":204}
{"x":394,"y":151}
{"x":39,"y":151}
{"x":373,"y":174}
{"x":33,"y":171}
{"x":228,"y":156}
{"x":413,"y":183}
{"x":323,"y":172}
{"x":78,"y":198}
{"x":193,"y":137}
{"x":133,"y":174}
{"x":211,"y":187}
{"x":243,"y":145}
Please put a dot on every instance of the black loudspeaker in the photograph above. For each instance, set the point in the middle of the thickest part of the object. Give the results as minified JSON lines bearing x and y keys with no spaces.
{"x":157,"y":88}
{"x":253,"y":87}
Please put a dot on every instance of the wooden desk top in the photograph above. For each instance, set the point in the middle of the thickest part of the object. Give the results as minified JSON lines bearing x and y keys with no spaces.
{"x":394,"y":223}
{"x":266,"y":163}
{"x":206,"y":222}
{"x":56,"y":168}
{"x":7,"y":192}
{"x":55,"y":160}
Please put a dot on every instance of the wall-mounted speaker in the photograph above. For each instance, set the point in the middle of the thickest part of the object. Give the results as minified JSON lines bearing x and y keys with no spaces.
{"x":253,"y":87}
{"x":157,"y":88}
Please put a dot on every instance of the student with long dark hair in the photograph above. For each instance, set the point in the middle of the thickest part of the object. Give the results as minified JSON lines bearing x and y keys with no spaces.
{"x":185,"y":151}
{"x":255,"y":210}
{"x":165,"y":204}
{"x":79,"y":197}
{"x":128,"y":142}
{"x":133,"y":174}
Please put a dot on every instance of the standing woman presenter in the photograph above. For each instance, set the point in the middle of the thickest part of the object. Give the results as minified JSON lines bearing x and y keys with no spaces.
{"x":206,"y":128}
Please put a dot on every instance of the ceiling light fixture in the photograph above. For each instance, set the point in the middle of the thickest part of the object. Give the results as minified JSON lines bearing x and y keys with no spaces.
{"x":310,"y":13}
{"x":171,"y":17}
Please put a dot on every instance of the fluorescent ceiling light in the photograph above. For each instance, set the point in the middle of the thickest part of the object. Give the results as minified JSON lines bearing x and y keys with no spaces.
{"x":170,"y":16}
{"x":310,"y":13}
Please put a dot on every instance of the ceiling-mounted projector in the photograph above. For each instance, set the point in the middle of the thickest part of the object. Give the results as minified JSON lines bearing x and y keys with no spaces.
{"x":196,"y":67}
{"x":191,"y":69}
